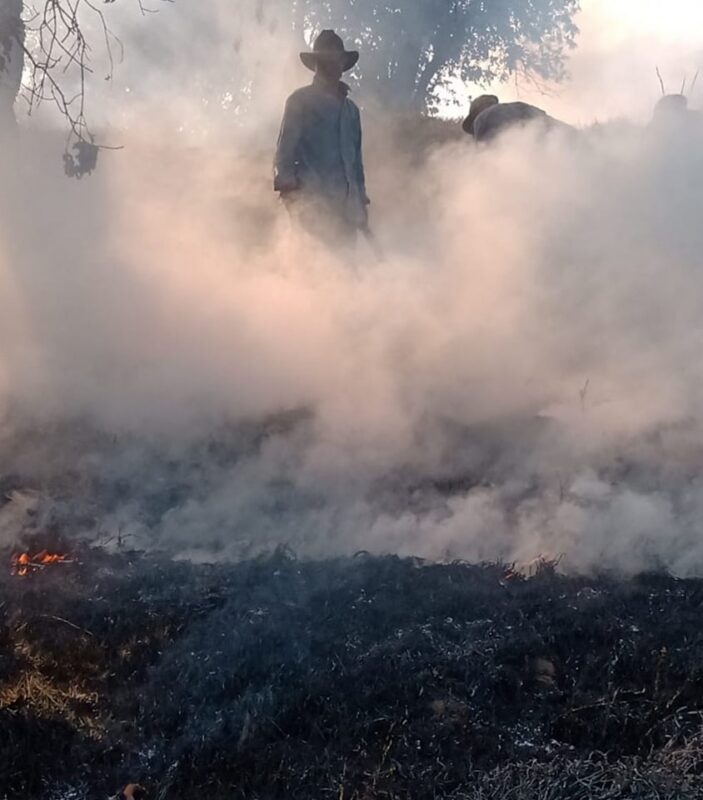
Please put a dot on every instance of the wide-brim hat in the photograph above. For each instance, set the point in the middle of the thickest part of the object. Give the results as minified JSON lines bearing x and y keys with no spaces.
{"x":479,"y":105}
{"x":329,"y":44}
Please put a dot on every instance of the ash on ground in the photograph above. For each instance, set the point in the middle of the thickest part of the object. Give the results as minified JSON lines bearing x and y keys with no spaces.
{"x":354,"y":678}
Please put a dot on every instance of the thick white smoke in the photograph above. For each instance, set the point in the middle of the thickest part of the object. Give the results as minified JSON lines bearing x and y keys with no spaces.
{"x":613,"y":70}
{"x":518,"y":375}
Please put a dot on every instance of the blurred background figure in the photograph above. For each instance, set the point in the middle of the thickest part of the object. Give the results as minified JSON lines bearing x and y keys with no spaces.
{"x":672,"y":115}
{"x":488,"y":118}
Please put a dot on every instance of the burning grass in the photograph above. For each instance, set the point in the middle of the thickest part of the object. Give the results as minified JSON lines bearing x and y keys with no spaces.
{"x":355,"y":679}
{"x":24,"y":564}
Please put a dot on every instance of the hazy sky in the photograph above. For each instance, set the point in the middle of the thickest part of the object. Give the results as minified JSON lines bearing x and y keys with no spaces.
{"x":675,"y":20}
{"x":613,"y":71}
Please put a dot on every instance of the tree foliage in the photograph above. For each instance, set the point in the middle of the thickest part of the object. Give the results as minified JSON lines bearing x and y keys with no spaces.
{"x":45,"y":41}
{"x":410,"y":47}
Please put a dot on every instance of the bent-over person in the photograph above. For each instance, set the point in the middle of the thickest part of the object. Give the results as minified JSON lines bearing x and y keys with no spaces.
{"x":488,"y":118}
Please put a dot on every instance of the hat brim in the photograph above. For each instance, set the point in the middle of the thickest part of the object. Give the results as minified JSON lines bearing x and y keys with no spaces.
{"x":478,"y":106}
{"x":349,"y":61}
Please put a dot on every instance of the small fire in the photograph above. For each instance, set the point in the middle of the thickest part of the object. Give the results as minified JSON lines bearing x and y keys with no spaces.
{"x":25,"y":564}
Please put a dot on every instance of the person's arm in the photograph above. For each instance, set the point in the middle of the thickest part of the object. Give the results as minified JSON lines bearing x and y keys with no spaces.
{"x":361,"y":176}
{"x":285,"y":166}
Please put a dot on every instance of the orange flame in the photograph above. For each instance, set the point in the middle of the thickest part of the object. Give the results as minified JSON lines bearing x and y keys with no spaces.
{"x":24,"y":563}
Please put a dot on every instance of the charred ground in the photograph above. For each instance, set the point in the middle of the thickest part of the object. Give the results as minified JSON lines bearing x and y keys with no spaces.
{"x":355,"y":678}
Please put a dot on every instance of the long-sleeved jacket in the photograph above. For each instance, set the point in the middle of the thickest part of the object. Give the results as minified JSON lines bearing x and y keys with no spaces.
{"x":495,"y":119}
{"x":319,"y":151}
{"x":501,"y":117}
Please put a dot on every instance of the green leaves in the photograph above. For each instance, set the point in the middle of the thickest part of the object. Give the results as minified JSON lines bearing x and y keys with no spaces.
{"x":410,"y":47}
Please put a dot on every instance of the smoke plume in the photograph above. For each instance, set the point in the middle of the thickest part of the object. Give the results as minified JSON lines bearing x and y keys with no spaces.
{"x":516,"y":375}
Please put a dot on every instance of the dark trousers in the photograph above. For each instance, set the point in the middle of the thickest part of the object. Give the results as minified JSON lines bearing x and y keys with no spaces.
{"x":321,"y":220}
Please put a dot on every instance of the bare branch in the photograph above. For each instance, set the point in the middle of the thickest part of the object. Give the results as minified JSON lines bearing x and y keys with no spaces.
{"x":661,"y":82}
{"x":59,"y":48}
{"x":693,"y":83}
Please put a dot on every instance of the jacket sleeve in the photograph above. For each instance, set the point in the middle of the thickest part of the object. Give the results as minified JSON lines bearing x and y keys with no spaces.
{"x":285,"y":166}
{"x":360,"y":163}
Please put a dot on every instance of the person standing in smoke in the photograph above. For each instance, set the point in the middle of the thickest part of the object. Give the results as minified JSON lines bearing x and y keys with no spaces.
{"x":319,"y":170}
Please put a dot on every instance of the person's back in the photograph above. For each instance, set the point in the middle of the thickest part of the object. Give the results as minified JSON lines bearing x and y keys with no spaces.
{"x":673,"y":118}
{"x":310,"y":154}
{"x":500,"y":117}
{"x":488,"y":118}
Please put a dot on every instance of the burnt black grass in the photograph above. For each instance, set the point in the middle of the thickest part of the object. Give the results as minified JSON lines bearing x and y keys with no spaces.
{"x":367,"y":677}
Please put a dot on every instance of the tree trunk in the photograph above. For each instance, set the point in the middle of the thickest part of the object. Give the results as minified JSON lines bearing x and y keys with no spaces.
{"x":11,"y":60}
{"x":403,"y":83}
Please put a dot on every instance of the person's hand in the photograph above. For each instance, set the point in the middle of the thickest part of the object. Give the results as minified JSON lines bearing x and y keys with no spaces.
{"x":287,"y":188}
